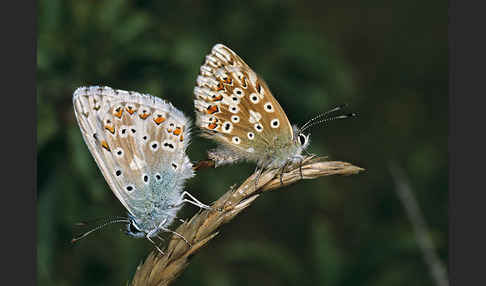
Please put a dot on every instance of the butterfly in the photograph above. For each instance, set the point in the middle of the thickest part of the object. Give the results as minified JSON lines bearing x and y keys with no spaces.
{"x":235,"y":107}
{"x":139,"y":143}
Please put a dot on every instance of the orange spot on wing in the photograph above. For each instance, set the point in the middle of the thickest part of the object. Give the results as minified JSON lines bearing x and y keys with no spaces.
{"x":177,"y":131}
{"x":130,"y":110}
{"x":181,"y":138}
{"x":118,"y":112}
{"x":218,"y":98}
{"x":110,"y":128}
{"x":220,"y":86}
{"x":212,"y":109}
{"x":159,"y":119}
{"x":228,"y":80}
{"x":212,"y":125}
{"x":144,"y":115}
{"x":105,"y":145}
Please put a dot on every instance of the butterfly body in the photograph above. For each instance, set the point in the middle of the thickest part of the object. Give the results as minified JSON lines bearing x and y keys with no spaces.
{"x":138,"y":141}
{"x":235,"y":107}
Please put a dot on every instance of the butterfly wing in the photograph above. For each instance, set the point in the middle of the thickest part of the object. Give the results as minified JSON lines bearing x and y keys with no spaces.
{"x":235,"y":107}
{"x":136,"y":139}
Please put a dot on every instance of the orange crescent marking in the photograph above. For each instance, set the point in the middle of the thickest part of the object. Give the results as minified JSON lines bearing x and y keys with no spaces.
{"x":144,"y":115}
{"x":130,"y":110}
{"x":212,"y":125}
{"x":177,"y":131}
{"x":105,"y":145}
{"x":159,"y":120}
{"x":181,"y":138}
{"x":220,"y":86}
{"x":212,"y":109}
{"x":218,"y":98}
{"x":228,"y":80}
{"x":110,"y":128}
{"x":118,"y":112}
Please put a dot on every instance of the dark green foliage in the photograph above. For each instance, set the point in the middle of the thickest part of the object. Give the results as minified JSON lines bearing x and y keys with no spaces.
{"x":388,"y":62}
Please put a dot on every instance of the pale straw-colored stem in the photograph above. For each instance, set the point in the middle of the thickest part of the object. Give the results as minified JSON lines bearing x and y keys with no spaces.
{"x":202,"y":227}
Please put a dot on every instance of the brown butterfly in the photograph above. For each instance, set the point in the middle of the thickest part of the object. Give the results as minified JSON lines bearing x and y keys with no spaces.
{"x":235,"y":107}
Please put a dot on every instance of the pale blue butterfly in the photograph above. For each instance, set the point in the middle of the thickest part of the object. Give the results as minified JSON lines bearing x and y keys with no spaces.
{"x":139,"y":143}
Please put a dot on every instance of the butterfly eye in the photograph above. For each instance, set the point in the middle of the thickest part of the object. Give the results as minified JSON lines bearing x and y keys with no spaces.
{"x":134,"y":228}
{"x":302,"y":139}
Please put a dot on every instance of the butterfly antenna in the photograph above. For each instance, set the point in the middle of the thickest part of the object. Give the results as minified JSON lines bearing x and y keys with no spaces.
{"x":350,"y":115}
{"x":76,"y":239}
{"x":97,"y":220}
{"x":337,"y":108}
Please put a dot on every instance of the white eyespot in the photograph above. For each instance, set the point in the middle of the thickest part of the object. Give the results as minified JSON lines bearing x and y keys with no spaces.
{"x":123,"y":131}
{"x":235,"y":118}
{"x":268,"y":107}
{"x":254,"y":98}
{"x":274,"y":123}
{"x":168,"y":145}
{"x":235,"y":99}
{"x":234,"y":109}
{"x":251,"y":150}
{"x":132,"y":130}
{"x":119,"y":152}
{"x":145,"y":139}
{"x":227,"y":127}
{"x":154,"y":146}
{"x":258,"y":127}
{"x":129,"y":188}
{"x":238,"y":92}
{"x":250,"y":135}
{"x":145,"y":178}
{"x":236,"y":140}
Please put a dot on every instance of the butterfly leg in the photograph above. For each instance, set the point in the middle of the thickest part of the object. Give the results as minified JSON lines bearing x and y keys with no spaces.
{"x":162,"y":227}
{"x":259,"y":172}
{"x":149,"y":239}
{"x":300,"y":169}
{"x":176,"y":233}
{"x":283,"y":171}
{"x":192,"y":201}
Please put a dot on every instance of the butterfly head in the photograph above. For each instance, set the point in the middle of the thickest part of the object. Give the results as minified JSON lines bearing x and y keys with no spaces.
{"x":134,"y":229}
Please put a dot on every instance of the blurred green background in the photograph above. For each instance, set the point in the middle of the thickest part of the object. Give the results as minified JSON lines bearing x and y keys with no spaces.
{"x":388,"y":60}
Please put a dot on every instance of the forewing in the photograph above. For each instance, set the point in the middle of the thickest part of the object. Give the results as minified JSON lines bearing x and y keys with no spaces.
{"x":235,"y":107}
{"x":133,"y":137}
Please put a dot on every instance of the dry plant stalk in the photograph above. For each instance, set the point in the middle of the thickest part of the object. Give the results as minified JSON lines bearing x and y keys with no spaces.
{"x":202,"y":227}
